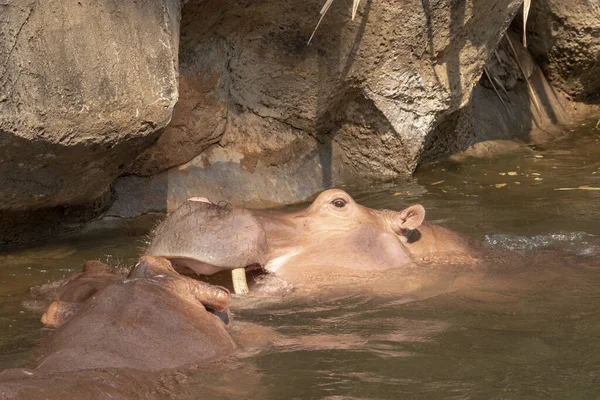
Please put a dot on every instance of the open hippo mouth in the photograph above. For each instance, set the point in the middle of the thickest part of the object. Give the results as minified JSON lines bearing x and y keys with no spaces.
{"x":333,"y":231}
{"x":215,"y":299}
{"x":153,"y":271}
{"x":153,"y":319}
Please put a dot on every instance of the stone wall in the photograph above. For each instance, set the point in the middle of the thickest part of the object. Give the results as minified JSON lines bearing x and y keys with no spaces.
{"x":270,"y":119}
{"x":564,"y":37}
{"x":88,"y":90}
{"x":84,"y":88}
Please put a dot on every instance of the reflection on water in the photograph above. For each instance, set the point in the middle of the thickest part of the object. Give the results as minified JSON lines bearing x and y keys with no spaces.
{"x":523,"y":326}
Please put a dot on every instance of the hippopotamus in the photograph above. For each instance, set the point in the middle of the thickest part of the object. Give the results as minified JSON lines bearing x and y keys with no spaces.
{"x":333,"y":231}
{"x":152,"y":320}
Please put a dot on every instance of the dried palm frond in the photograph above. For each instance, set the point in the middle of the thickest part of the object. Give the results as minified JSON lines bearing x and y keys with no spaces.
{"x":324,"y":11}
{"x":526,"y":5}
{"x":496,"y":79}
{"x":497,"y":57}
{"x":494,"y":86}
{"x":355,"y":8}
{"x":533,"y":95}
{"x":499,"y":83}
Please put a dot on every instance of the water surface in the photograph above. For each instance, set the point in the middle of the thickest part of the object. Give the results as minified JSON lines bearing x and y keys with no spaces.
{"x":527,"y":328}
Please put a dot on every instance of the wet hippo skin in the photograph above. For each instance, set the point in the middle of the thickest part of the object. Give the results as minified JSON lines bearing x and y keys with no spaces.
{"x":153,"y":320}
{"x":333,"y":231}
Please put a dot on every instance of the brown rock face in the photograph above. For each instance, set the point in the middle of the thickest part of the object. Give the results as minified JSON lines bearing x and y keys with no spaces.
{"x":83,"y":88}
{"x":564,"y":36}
{"x":200,"y":115}
{"x":292,"y":119}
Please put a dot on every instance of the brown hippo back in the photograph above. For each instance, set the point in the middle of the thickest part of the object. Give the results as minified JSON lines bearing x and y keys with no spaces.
{"x":149,"y":321}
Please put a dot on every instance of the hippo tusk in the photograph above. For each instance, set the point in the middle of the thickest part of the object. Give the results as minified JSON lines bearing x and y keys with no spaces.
{"x":240,"y":285}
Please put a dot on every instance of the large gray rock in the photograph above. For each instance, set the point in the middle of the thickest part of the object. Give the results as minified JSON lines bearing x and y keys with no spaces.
{"x":200,"y":115}
{"x":84,"y":87}
{"x":359,"y":101}
{"x":564,"y":36}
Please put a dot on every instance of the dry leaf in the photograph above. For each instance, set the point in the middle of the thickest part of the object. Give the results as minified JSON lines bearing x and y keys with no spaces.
{"x":526,"y":5}
{"x":500,"y":185}
{"x":354,"y":8}
{"x":322,"y":12}
{"x":437,"y":183}
{"x":580,"y":188}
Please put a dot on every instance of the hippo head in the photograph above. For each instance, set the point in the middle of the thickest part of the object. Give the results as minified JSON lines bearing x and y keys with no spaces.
{"x":333,"y":231}
{"x":336,"y":231}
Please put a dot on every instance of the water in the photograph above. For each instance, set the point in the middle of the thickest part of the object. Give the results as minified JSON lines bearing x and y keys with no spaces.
{"x":526,"y":328}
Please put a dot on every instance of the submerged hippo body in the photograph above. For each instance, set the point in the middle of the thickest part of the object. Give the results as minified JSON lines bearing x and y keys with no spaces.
{"x":153,"y":319}
{"x":333,"y":231}
{"x":116,"y":336}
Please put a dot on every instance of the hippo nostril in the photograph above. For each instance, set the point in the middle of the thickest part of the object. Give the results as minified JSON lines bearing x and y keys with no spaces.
{"x":223,"y":315}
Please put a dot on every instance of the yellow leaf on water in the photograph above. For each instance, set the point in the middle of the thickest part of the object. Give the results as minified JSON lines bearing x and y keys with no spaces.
{"x":502,"y":173}
{"x":535,"y":174}
{"x":538,"y":156}
{"x":500,"y":185}
{"x":580,"y":188}
{"x":538,"y":179}
{"x":512,"y":173}
{"x":397,"y":193}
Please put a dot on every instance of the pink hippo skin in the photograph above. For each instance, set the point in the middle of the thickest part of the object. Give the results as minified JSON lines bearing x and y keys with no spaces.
{"x":118,"y":336}
{"x":332,"y":232}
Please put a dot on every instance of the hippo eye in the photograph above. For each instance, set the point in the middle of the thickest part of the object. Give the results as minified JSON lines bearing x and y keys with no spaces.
{"x":339,"y":203}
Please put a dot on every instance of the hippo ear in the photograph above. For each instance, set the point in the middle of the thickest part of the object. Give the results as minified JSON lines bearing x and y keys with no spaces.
{"x":411,"y":217}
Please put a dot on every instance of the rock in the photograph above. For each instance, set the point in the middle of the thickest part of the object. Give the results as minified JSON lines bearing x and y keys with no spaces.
{"x":564,"y":36}
{"x":521,"y":107}
{"x":200,"y":115}
{"x":529,"y":105}
{"x":358,"y":103}
{"x":258,"y":171}
{"x":84,"y":88}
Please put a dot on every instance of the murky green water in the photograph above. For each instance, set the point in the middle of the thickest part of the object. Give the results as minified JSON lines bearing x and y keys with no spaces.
{"x":527,"y":329}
